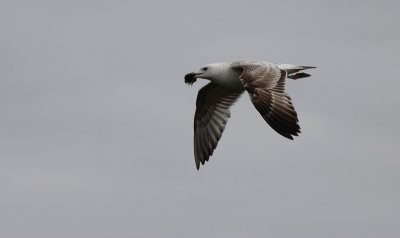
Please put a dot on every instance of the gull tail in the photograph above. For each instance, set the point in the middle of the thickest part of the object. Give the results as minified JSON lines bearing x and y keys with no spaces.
{"x":293,"y":69}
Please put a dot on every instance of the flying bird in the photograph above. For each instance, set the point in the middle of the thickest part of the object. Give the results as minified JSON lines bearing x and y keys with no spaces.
{"x":265,"y":84}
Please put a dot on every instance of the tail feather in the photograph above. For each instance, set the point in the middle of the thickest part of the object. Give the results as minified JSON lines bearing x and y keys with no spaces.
{"x":307,"y":67}
{"x":293,"y":69}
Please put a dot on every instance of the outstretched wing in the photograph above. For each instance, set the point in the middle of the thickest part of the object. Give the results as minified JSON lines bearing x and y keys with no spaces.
{"x":266,"y":87}
{"x":211,"y":116}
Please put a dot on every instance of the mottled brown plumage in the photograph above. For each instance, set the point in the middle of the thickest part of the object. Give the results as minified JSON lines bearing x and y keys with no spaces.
{"x":265,"y":84}
{"x":266,"y":88}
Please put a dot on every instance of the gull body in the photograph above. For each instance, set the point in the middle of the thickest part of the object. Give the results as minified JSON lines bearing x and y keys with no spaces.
{"x":265,"y":84}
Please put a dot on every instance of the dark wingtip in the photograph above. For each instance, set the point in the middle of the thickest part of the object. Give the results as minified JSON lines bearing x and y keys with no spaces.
{"x":290,"y":137}
{"x":190,"y":78}
{"x":299,"y":75}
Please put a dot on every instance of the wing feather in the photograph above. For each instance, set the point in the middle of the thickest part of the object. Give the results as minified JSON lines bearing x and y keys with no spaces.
{"x":212,"y":113}
{"x":265,"y":84}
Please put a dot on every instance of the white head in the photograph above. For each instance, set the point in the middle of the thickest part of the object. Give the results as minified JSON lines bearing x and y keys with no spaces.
{"x":212,"y":71}
{"x":217,"y":72}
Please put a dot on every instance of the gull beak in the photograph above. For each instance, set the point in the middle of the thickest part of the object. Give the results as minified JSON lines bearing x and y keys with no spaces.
{"x":190,"y":78}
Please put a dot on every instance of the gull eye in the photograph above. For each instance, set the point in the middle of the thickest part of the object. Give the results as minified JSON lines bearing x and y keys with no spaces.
{"x":204,"y":68}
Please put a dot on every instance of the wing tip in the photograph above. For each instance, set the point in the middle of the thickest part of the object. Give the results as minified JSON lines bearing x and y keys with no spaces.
{"x":289,"y":134}
{"x":298,"y":75}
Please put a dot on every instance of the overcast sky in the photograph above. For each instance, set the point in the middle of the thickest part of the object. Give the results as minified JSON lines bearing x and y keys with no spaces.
{"x":96,"y":123}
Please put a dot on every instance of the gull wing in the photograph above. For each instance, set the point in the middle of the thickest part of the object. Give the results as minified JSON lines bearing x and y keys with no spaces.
{"x":211,"y":116}
{"x":265,"y":84}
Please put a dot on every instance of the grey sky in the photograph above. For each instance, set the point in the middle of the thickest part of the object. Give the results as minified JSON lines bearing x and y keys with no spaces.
{"x":97,"y":124}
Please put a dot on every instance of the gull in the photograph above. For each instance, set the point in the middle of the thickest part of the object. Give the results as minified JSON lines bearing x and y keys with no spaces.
{"x":265,"y":84}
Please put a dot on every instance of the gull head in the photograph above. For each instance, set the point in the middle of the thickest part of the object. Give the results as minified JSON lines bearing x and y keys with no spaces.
{"x":210,"y":72}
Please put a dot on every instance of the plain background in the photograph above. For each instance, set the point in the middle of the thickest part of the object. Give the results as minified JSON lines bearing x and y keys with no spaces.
{"x":96,"y":123}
